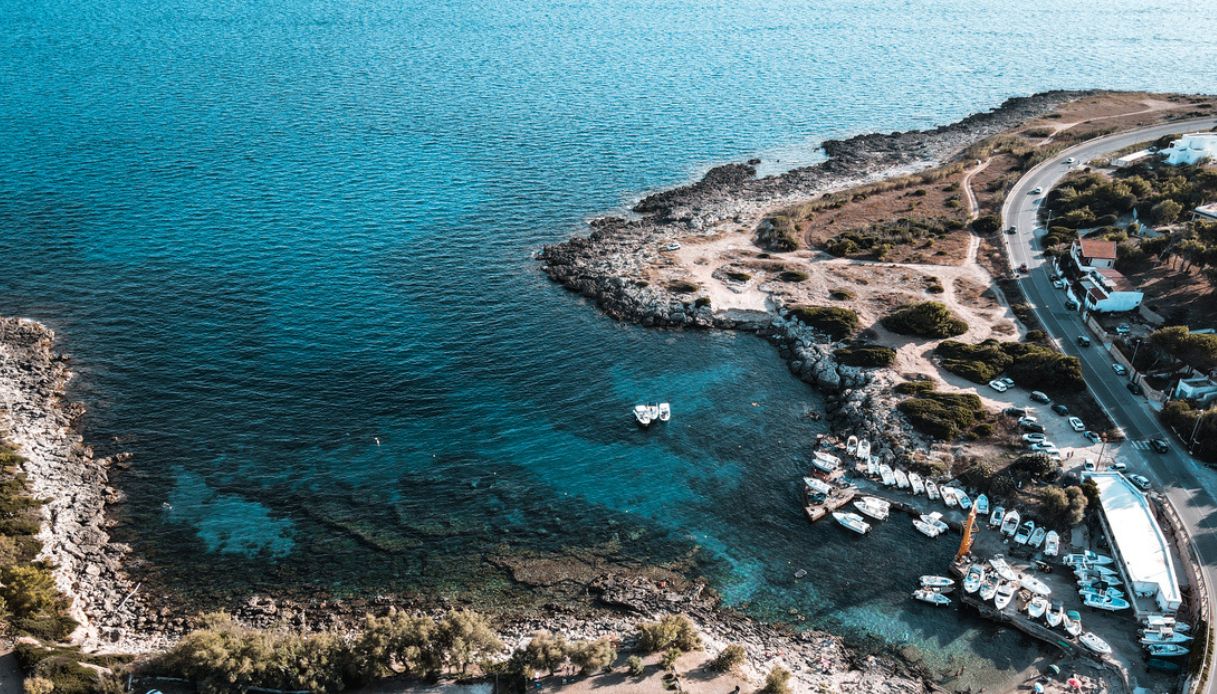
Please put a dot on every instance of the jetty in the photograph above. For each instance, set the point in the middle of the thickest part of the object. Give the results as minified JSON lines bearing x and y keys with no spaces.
{"x":840,"y":496}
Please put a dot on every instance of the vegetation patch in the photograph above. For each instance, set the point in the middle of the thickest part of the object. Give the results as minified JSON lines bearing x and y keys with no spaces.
{"x":1182,"y":416}
{"x":914,"y":387}
{"x":840,"y":295}
{"x":778,"y":233}
{"x":869,"y":356}
{"x":943,"y":415}
{"x":737,"y":276}
{"x":926,"y":319}
{"x":793,"y":276}
{"x":1031,"y":365}
{"x":838,"y":323}
{"x":877,"y":240}
{"x":683,"y":286}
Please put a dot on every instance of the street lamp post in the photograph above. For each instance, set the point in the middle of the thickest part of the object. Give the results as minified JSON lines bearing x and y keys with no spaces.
{"x":1102,"y":449}
{"x":1133,"y":362}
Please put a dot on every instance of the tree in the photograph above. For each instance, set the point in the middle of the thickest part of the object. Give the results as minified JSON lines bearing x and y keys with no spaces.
{"x":986,"y":224}
{"x":38,"y":685}
{"x":1165,"y":212}
{"x":544,"y":651}
{"x":729,"y":659}
{"x":1054,"y":505}
{"x":674,"y":630}
{"x":28,"y":589}
{"x":466,"y":637}
{"x":777,"y":682}
{"x":1077,"y":504}
{"x":593,"y":656}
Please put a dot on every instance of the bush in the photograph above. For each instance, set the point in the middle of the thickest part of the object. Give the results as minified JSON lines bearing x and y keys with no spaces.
{"x":926,"y":319}
{"x":28,"y":589}
{"x":986,"y":224}
{"x":914,"y":387}
{"x":793,"y":276}
{"x":778,"y":233}
{"x":840,"y":295}
{"x":634,"y":666}
{"x":866,"y":355}
{"x":1077,"y":504}
{"x":737,"y":276}
{"x":683,"y":287}
{"x":593,"y":656}
{"x":1048,"y":370}
{"x":979,"y":363}
{"x":730,"y":659}
{"x":669,"y":658}
{"x":544,"y":652}
{"x":701,"y":302}
{"x":673,"y":631}
{"x":778,"y":681}
{"x":838,"y":323}
{"x":1037,"y":466}
{"x":942,"y":415}
{"x":66,"y":670}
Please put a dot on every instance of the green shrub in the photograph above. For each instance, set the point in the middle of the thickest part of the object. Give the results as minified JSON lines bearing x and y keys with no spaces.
{"x":926,"y":319}
{"x":979,"y":363}
{"x":730,"y":659}
{"x":1036,"y":466}
{"x":683,"y":286}
{"x":593,"y":656}
{"x":544,"y":652}
{"x":793,"y":276}
{"x":669,"y":658}
{"x":701,"y":301}
{"x":866,"y":355}
{"x":634,"y":666}
{"x":914,"y":387}
{"x":942,"y":415}
{"x":672,"y":631}
{"x":838,"y":323}
{"x":778,"y":233}
{"x":840,"y":295}
{"x":737,"y":276}
{"x":777,"y":682}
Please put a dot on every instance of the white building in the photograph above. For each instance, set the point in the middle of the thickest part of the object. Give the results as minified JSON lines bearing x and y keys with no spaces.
{"x":1129,"y":159}
{"x":1192,"y":148}
{"x":1099,"y":286}
{"x":1137,"y":541}
{"x":1198,"y":388}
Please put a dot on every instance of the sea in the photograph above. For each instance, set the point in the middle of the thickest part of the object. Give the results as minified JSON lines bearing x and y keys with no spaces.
{"x":288,"y":246}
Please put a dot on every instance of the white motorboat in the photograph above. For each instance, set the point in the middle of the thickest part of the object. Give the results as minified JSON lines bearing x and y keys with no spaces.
{"x":1095,"y":571}
{"x":973,"y":579}
{"x":851,"y":446}
{"x":931,"y":490}
{"x":916,"y":484}
{"x":815,"y":486}
{"x":645,"y":414}
{"x":1010,"y":525}
{"x":1037,"y":537}
{"x":926,"y":529}
{"x":1094,"y":643}
{"x":1037,"y":607}
{"x":938,"y":582}
{"x":932,"y":597}
{"x":1088,"y":577}
{"x":902,"y":479}
{"x":988,"y":589}
{"x":864,"y":449}
{"x":935,"y":519}
{"x":1054,"y":617}
{"x":886,"y":474}
{"x":852,"y":521}
{"x":982,"y":505}
{"x":1089,"y":558}
{"x":1002,"y":568}
{"x":1164,"y":636}
{"x":1034,"y":585}
{"x":1166,"y":650}
{"x":948,"y":496}
{"x":867,"y":507}
{"x":1099,"y":593}
{"x":1072,"y":626}
{"x":1024,"y":532}
{"x":1005,"y":593}
{"x":665,"y":411}
{"x":1052,"y":543}
{"x":1103,"y":603}
{"x":825,"y":462}
{"x":999,"y":514}
{"x":872,"y":466}
{"x":1156,"y":621}
{"x":965,"y":502}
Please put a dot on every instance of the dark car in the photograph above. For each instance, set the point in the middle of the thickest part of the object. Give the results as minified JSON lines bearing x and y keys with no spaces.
{"x":1015,"y":412}
{"x":1033,"y":426}
{"x":1159,"y":445}
{"x":1060,"y":409}
{"x":1071,"y":305}
{"x":1023,"y":268}
{"x":1011,"y":230}
{"x":1039,"y":396}
{"x":1083,"y":341}
{"x":1135,"y":388}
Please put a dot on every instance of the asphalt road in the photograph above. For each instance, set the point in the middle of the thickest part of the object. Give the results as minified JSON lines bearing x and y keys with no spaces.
{"x":1191,"y":487}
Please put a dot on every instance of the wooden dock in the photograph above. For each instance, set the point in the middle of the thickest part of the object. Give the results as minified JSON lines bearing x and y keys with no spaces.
{"x":839,"y":497}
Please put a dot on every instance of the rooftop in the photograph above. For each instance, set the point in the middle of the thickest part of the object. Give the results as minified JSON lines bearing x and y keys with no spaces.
{"x":1141,"y":544}
{"x":1209,"y":210}
{"x":1098,"y":248}
{"x":1116,"y":280}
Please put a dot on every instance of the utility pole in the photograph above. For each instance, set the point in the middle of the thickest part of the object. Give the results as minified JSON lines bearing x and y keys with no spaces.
{"x":1133,"y":362}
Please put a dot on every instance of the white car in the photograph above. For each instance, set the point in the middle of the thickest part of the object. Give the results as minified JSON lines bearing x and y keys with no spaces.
{"x":1119,"y":369}
{"x":1038,"y":190}
{"x":1076,"y":424}
{"x":1071,"y":160}
{"x":1034,"y":438}
{"x":999,"y":385}
{"x":1028,"y":420}
{"x":1140,"y":481}
{"x":1045,"y":447}
{"x":1117,"y":466}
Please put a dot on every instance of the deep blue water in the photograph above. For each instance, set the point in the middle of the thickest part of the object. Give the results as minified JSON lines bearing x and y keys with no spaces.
{"x":271,"y":234}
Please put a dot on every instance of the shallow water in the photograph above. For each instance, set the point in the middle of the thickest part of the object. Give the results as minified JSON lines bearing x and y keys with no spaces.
{"x":272,"y":234}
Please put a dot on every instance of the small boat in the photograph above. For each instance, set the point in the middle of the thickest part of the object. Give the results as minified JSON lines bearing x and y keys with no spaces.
{"x":1052,"y":543}
{"x":1088,"y":589}
{"x":1166,"y":650}
{"x":1087,"y":557}
{"x":931,"y":490}
{"x":916,"y":484}
{"x":645,"y":414}
{"x":1087,"y":577}
{"x":1055,"y":616}
{"x":887,"y":475}
{"x":982,"y":505}
{"x":872,"y":466}
{"x":1167,"y":636}
{"x":935,"y":519}
{"x":852,"y":521}
{"x":665,"y":411}
{"x":825,"y":462}
{"x":875,"y":508}
{"x":1037,"y":607}
{"x":932,"y":597}
{"x":939,"y":582}
{"x":988,"y":589}
{"x":1034,"y":585}
{"x":1155,"y":621}
{"x":1005,"y":593}
{"x":973,"y":579}
{"x":926,"y":529}
{"x":965,"y":502}
{"x":902,"y":479}
{"x":1002,"y":568}
{"x":1037,"y":537}
{"x":815,"y":486}
{"x":948,"y":496}
{"x":1095,"y":571}
{"x":999,"y":514}
{"x":1103,"y":603}
{"x":851,"y":445}
{"x":1072,"y":623}
{"x":1024,"y":532}
{"x":863,"y":449}
{"x":1094,"y":643}
{"x":1010,"y":525}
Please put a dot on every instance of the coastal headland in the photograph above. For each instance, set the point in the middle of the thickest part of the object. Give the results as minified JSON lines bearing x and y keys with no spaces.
{"x":728,"y":252}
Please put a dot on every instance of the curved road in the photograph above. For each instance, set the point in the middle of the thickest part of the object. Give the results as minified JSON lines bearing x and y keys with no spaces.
{"x":1191,"y":487}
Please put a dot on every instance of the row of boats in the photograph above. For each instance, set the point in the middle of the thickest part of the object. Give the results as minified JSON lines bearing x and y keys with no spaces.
{"x":932,"y":590}
{"x":1098,"y":583}
{"x":647,"y":413}
{"x":1025,"y":532}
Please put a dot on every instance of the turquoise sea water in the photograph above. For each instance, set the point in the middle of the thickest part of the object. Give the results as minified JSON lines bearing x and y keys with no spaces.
{"x":273,"y":234}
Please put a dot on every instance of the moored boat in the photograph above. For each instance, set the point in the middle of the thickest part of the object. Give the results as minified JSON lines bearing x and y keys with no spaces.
{"x":932,"y":597}
{"x":665,"y":411}
{"x":902,"y":479}
{"x":870,"y":506}
{"x":1094,"y":643}
{"x":928,"y":581}
{"x":1002,"y":568}
{"x":964,"y":501}
{"x":1087,"y":557}
{"x":916,"y":484}
{"x":1166,"y":650}
{"x":644,"y":415}
{"x":931,"y":490}
{"x":825,"y":462}
{"x":1009,"y":526}
{"x":1104,"y":603}
{"x":982,"y":505}
{"x":852,"y":521}
{"x":948,"y":496}
{"x":1052,"y":543}
{"x":885,"y":473}
{"x":872,"y":466}
{"x":1099,"y":591}
{"x":1164,"y":636}
{"x":1089,"y":577}
{"x":926,"y":529}
{"x":1163,"y":620}
{"x":973,"y":579}
{"x":1037,"y":537}
{"x":935,"y":519}
{"x":1024,"y":532}
{"x":851,"y":445}
{"x":998,"y":515}
{"x":1037,"y":607}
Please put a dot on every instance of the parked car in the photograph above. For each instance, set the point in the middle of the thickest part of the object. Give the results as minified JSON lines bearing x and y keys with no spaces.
{"x":1060,"y":284}
{"x":1135,"y":388}
{"x":1039,"y":396}
{"x":1089,"y":465}
{"x":1043,"y":446}
{"x":1071,"y":304}
{"x":1060,"y":409}
{"x":1091,"y":436}
{"x":999,"y":385}
{"x":1023,"y":268}
{"x":1015,"y":412}
{"x":1076,"y":424}
{"x":1033,"y":438}
{"x":1140,"y":481}
{"x":1119,"y":369}
{"x":1117,"y":466}
{"x":1012,"y":230}
{"x":1032,"y":426}
{"x":1123,"y":329}
{"x":1083,"y":341}
{"x":1159,"y":445}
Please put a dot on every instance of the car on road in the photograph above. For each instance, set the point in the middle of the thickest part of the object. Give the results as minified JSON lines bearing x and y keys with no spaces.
{"x":1039,"y":396}
{"x":1076,"y":424}
{"x":1117,"y":466}
{"x":1071,"y":305}
{"x":1135,"y":388}
{"x":1012,"y":230}
{"x":1032,"y":426}
{"x":1123,"y":329}
{"x":1060,"y":409}
{"x":1083,"y":341}
{"x":1037,"y":190}
{"x":1159,"y":445}
{"x":999,"y":385}
{"x":1140,"y":481}
{"x":1034,"y":438}
{"x":1119,"y":369}
{"x":1091,"y":436}
{"x":1023,"y":268}
{"x":1015,"y":411}
{"x":1071,"y":160}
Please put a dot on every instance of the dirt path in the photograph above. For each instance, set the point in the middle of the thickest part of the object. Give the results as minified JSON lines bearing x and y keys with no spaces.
{"x":973,"y":209}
